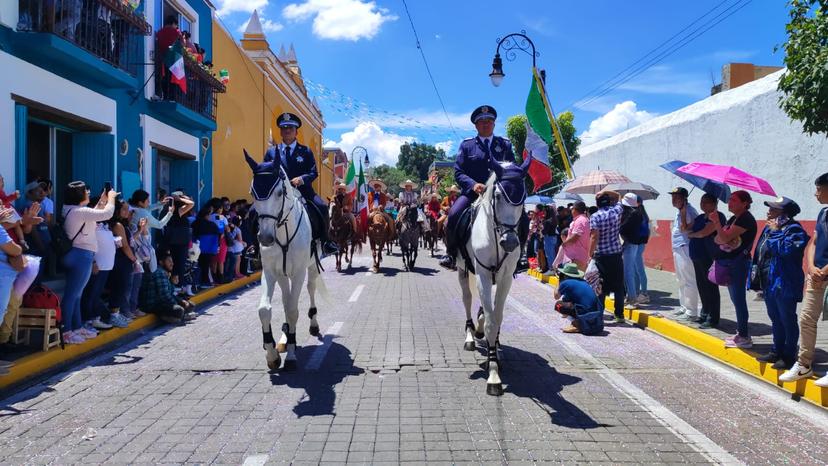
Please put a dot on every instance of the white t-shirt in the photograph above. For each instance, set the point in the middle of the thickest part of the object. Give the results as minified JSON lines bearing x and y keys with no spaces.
{"x":105,"y":255}
{"x":680,"y":238}
{"x":82,"y":221}
{"x":237,"y":247}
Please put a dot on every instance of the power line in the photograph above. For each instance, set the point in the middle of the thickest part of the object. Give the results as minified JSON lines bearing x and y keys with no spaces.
{"x":633,"y":71}
{"x":428,"y":69}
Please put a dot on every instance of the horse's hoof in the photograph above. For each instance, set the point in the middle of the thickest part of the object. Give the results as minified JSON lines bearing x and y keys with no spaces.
{"x":314,"y":331}
{"x":469,"y":346}
{"x":290,"y":365}
{"x":274,"y":365}
{"x":493,"y":389}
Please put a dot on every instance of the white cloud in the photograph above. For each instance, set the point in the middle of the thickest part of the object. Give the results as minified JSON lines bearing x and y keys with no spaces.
{"x":621,"y":118}
{"x":383,"y":147}
{"x":340,"y":19}
{"x":438,"y":36}
{"x":447,"y":146}
{"x":226,"y":7}
{"x":267,"y":25}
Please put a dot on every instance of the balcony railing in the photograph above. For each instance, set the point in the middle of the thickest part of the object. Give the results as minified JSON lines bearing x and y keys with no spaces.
{"x":202,"y":87}
{"x":109,"y":29}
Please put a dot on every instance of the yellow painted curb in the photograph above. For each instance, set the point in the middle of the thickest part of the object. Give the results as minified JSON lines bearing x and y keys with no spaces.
{"x":714,"y":348}
{"x":37,"y":363}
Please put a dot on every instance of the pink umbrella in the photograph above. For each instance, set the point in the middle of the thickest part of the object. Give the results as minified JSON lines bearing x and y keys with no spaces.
{"x":729,"y":175}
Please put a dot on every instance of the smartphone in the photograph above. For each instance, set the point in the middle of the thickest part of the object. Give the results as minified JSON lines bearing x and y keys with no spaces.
{"x":107,"y":187}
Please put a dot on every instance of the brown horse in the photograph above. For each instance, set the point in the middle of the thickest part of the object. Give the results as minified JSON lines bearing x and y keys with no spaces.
{"x":343,"y":231}
{"x":431,"y":236}
{"x":381,"y":231}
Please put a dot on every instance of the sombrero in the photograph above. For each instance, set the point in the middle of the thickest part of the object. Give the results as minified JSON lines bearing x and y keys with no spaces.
{"x":408,"y":182}
{"x":340,"y":184}
{"x":436,"y":195}
{"x":454,"y":189}
{"x":373,"y":183}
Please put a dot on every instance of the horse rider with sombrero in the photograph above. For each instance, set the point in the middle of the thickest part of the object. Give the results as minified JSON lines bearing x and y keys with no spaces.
{"x":433,"y":206}
{"x":378,"y":200}
{"x":471,"y":171}
{"x":409,"y":200}
{"x":341,"y":188}
{"x":446,"y":203}
{"x":300,"y":166}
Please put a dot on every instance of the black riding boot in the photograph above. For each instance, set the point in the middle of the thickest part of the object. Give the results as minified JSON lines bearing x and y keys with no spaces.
{"x":523,"y":234}
{"x":320,"y":225}
{"x":448,"y":260}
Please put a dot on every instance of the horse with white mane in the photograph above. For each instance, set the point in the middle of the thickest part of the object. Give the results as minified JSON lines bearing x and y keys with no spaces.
{"x":494,"y":253}
{"x":288,"y":255}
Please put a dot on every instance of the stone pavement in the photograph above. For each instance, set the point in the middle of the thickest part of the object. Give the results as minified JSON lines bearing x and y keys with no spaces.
{"x":664,"y":299}
{"x":389,"y":382}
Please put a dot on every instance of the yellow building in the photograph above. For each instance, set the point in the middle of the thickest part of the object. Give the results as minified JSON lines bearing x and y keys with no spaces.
{"x":262,"y":86}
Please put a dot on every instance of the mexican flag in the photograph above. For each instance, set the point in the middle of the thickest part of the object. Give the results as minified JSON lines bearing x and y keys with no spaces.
{"x":351,"y":181}
{"x":538,"y":136}
{"x":174,"y":61}
{"x":362,"y":200}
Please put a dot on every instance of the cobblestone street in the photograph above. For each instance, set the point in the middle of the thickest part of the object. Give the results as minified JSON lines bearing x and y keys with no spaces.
{"x":389,"y":382}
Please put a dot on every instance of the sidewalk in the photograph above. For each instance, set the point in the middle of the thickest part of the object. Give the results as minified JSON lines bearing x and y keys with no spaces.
{"x":658,"y":316}
{"x":32,"y":365}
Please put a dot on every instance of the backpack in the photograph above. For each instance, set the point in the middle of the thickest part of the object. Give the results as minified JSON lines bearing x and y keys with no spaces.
{"x":42,"y":297}
{"x":60,"y":240}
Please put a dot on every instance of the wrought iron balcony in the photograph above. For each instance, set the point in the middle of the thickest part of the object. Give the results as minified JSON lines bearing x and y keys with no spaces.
{"x":202,"y":87}
{"x":109,"y":29}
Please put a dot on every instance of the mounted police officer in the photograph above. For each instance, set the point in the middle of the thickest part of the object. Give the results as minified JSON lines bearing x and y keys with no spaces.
{"x":471,"y":171}
{"x":300,"y":165}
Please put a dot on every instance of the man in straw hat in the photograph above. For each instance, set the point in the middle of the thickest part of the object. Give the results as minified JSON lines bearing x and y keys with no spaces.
{"x":341,"y":188}
{"x":378,"y":200}
{"x":408,"y":199}
{"x":471,"y":171}
{"x":299,"y":164}
{"x":577,"y":301}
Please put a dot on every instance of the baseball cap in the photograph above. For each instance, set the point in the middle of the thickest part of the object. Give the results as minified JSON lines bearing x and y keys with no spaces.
{"x":785,"y":204}
{"x":680,"y":191}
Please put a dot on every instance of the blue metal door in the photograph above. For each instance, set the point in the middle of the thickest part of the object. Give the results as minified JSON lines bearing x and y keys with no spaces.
{"x":93,"y":160}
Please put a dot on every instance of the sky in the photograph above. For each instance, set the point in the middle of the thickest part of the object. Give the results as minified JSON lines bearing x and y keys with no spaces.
{"x":360,"y":59}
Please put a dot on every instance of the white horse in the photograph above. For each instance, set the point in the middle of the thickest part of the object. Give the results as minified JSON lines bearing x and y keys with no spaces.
{"x":494,"y":252}
{"x":286,"y":251}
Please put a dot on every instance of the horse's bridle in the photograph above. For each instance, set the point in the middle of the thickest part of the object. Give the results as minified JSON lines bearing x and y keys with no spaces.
{"x":281,"y":220}
{"x":500,"y":229}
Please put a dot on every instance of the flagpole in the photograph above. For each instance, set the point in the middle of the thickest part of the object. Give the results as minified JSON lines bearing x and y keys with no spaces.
{"x":555,"y":129}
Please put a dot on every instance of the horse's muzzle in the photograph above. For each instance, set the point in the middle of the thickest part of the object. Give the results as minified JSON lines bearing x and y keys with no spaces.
{"x":509,"y":241}
{"x":266,"y":239}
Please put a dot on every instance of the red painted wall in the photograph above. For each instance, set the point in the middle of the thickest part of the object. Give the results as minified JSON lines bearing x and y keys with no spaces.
{"x":659,"y":251}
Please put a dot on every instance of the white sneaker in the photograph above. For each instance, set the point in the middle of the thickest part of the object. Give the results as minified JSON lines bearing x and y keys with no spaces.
{"x":680,"y":311}
{"x":101,"y":325}
{"x":797,"y":372}
{"x":822,"y":382}
{"x":72,"y":338}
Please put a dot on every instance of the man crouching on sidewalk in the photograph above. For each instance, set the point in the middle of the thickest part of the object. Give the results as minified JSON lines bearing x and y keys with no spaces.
{"x":577,"y":301}
{"x":158,"y":294}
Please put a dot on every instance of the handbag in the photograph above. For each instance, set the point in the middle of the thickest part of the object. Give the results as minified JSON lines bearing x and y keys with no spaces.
{"x":719,"y":272}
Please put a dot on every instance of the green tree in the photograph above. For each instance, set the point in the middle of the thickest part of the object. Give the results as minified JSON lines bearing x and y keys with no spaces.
{"x":516,"y":132}
{"x":805,"y":82}
{"x":415,"y":158}
{"x":392,"y":177}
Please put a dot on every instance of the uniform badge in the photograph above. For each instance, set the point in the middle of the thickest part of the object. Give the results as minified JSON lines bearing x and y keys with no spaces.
{"x":498,"y":149}
{"x":286,"y":116}
{"x":484,"y":109}
{"x":300,"y":159}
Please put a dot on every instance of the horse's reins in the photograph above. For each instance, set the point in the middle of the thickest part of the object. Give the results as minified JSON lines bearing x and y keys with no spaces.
{"x":281,"y":221}
{"x":499,"y":229}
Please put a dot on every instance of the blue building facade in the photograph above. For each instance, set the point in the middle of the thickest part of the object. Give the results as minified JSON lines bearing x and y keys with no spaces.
{"x":81,"y":96}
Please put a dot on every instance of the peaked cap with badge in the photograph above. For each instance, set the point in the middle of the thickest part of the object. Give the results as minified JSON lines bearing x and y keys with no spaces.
{"x":287,"y":120}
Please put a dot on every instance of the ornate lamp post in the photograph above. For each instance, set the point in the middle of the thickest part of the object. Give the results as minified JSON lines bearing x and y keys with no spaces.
{"x":357,"y":154}
{"x":511,"y":44}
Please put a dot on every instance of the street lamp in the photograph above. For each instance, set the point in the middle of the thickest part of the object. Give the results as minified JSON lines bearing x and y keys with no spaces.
{"x":357,"y":154}
{"x":511,"y":44}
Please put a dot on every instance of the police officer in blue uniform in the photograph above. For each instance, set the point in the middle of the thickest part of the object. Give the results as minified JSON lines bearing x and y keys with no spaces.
{"x":300,"y":166}
{"x":471,"y":171}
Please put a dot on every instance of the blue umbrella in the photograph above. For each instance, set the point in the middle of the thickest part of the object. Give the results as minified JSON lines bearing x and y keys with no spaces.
{"x":545,"y":200}
{"x":720,"y":190}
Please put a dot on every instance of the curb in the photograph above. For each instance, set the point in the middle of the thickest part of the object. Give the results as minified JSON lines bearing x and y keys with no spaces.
{"x":38,"y":363}
{"x":714,"y":348}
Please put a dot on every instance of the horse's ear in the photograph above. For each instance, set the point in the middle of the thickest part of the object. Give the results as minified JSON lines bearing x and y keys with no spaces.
{"x":496,"y":167}
{"x":524,"y":167}
{"x":253,"y":164}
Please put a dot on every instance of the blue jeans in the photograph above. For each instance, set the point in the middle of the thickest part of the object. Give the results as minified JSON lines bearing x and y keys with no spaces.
{"x":784,"y":326}
{"x":134,"y":292}
{"x":549,"y":245}
{"x":7,"y":276}
{"x":641,"y":271}
{"x":91,"y":304}
{"x":78,"y":265}
{"x":629,"y":254}
{"x":737,"y":289}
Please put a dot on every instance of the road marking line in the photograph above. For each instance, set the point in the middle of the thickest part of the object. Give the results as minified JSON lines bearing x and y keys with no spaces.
{"x":256,"y":460}
{"x":321,"y":351}
{"x":356,"y":293}
{"x":678,"y":426}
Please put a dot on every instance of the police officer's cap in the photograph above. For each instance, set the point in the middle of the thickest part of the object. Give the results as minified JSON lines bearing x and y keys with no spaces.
{"x":287,"y":120}
{"x":483,"y":111}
